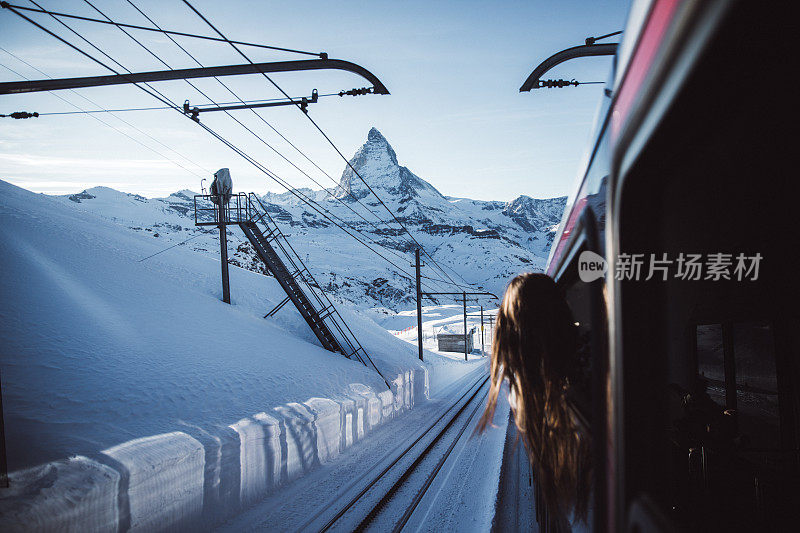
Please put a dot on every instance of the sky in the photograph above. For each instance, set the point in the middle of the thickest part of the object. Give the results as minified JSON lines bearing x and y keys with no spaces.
{"x":455,"y":116}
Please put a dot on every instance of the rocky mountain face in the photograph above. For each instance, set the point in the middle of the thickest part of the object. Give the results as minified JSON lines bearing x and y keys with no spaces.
{"x":483,"y":243}
{"x":377,"y":166}
{"x":534,"y":215}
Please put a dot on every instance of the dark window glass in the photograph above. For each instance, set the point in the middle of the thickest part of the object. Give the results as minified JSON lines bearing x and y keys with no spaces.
{"x":756,"y":384}
{"x":711,"y":361}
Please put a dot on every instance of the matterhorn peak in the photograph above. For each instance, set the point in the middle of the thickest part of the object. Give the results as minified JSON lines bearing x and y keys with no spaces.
{"x":376,"y":164}
{"x":378,"y":147}
{"x":375,"y":136}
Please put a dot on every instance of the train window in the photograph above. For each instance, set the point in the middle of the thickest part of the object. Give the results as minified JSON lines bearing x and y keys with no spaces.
{"x":578,"y":298}
{"x":711,"y":361}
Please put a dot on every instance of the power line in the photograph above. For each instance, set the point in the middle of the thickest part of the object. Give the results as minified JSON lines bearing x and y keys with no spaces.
{"x":299,"y":195}
{"x":303,"y":197}
{"x":155,"y":93}
{"x":329,"y":141}
{"x":102,"y":121}
{"x":269,"y":173}
{"x":160,"y":96}
{"x":254,"y":112}
{"x":164,"y":99}
{"x":203,"y":232}
{"x":259,"y":116}
{"x":262,"y":140}
{"x":160,"y":108}
{"x":6,"y":5}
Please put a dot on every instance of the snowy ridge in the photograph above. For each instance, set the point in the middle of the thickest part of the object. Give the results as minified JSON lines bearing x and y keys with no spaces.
{"x":135,"y":399}
{"x":484,"y":242}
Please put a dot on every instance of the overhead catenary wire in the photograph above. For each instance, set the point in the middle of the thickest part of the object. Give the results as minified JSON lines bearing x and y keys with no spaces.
{"x":266,"y":171}
{"x":165,"y":100}
{"x":161,"y":108}
{"x":223,"y":84}
{"x":170,"y":32}
{"x":261,"y":139}
{"x":302,"y":196}
{"x":150,"y":90}
{"x":327,"y":138}
{"x":134,"y":139}
{"x":265,"y":121}
{"x":202,"y":232}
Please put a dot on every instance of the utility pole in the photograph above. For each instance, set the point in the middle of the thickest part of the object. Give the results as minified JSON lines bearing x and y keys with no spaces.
{"x":456,"y":295}
{"x":417,"y":265}
{"x":465,"y":326}
{"x":482,"y":352}
{"x":223,"y":252}
{"x":491,"y":329}
{"x":3,"y":462}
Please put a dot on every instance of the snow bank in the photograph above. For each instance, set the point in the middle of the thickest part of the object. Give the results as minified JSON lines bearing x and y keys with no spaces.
{"x":135,"y":400}
{"x":74,"y":493}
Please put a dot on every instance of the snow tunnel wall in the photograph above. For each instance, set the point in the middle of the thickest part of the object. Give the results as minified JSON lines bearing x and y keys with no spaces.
{"x":195,"y":478}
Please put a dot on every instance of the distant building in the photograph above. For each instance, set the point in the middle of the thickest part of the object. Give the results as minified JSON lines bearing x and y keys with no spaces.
{"x":454,"y":342}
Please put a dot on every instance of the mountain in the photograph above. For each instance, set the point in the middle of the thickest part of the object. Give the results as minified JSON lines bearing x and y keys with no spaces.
{"x":534,"y":215}
{"x":483,"y":243}
{"x":376,"y":162}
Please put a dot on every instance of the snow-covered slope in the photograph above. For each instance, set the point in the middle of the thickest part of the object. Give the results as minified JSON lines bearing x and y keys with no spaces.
{"x":484,"y":243}
{"x":134,"y":398}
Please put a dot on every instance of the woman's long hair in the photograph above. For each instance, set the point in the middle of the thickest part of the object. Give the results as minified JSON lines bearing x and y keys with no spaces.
{"x":534,"y":344}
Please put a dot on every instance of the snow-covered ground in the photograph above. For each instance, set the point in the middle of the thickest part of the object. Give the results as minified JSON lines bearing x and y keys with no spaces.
{"x":443,"y":318}
{"x":134,"y":398}
{"x":310,"y":502}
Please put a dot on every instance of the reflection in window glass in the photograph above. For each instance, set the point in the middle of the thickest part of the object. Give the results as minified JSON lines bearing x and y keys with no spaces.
{"x":756,"y":383}
{"x":711,"y":361}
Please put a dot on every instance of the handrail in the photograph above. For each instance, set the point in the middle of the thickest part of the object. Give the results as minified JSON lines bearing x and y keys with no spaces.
{"x":345,"y":337}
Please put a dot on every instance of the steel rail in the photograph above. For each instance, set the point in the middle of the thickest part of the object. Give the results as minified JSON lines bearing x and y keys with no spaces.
{"x":353,"y":501}
{"x":384,"y":501}
{"x":421,"y":493}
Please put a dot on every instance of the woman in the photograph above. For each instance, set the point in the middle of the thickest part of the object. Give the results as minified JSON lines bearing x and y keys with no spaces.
{"x":534,"y":347}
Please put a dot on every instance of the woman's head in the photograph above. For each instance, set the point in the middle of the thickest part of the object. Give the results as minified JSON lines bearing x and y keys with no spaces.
{"x":533,"y":348}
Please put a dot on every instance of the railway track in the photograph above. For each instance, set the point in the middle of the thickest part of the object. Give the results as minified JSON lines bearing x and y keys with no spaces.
{"x":386,"y":499}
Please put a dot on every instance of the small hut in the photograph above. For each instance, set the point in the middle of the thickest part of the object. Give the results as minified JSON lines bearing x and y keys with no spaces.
{"x":454,"y":342}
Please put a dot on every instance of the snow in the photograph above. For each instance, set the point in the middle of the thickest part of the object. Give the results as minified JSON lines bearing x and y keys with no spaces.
{"x":484,"y":242}
{"x":133,"y":396}
{"x":135,"y":399}
{"x":310,"y":502}
{"x":467,"y":481}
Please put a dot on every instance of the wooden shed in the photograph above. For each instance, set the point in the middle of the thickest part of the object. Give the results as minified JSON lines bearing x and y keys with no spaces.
{"x":454,"y":342}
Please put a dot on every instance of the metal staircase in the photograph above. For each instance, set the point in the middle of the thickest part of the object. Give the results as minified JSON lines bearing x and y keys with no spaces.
{"x":272,"y":247}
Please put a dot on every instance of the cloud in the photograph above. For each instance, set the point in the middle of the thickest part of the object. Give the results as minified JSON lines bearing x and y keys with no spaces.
{"x":82,"y":165}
